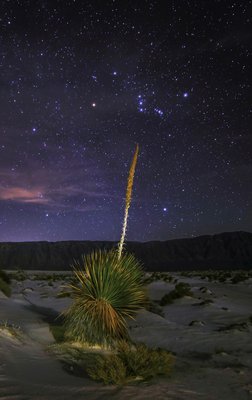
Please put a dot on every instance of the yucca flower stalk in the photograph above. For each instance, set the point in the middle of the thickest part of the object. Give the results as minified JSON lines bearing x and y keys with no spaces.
{"x":128,"y":201}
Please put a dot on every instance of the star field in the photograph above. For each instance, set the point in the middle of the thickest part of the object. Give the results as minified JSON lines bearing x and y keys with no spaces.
{"x":83,"y":82}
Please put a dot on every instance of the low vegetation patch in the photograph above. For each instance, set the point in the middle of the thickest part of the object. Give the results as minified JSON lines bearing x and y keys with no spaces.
{"x":11,"y":329}
{"x":5,"y":277}
{"x":51,"y":277}
{"x":19,"y":275}
{"x":239,"y":277}
{"x":181,"y":289}
{"x":127,"y":363}
{"x":58,"y":332}
{"x":154,"y":307}
{"x":5,"y":287}
{"x":220,"y":276}
{"x":239,"y":326}
{"x":131,"y":363}
{"x":158,"y":276}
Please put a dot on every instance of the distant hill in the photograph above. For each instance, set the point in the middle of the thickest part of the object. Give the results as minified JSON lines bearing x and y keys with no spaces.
{"x":231,"y":250}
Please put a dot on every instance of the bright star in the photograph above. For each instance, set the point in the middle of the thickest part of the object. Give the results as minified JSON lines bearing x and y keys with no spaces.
{"x":164,"y":209}
{"x":158,"y":111}
{"x":93,"y":104}
{"x":114,"y":73}
{"x":185,"y":94}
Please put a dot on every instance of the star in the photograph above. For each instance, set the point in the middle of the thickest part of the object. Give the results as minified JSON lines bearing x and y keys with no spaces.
{"x":93,"y":104}
{"x":159,"y":112}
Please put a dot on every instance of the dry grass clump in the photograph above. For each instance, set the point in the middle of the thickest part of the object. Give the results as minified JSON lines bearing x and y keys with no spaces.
{"x":10,"y":329}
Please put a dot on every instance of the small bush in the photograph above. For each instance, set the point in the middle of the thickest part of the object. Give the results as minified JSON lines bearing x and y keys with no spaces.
{"x":58,"y":332}
{"x":154,"y":308}
{"x":181,"y":289}
{"x":239,"y":277}
{"x":19,"y":275}
{"x":5,"y":288}
{"x":144,"y":362}
{"x":109,"y":369}
{"x":158,"y":276}
{"x":5,"y":277}
{"x":132,"y":362}
{"x":169,"y":298}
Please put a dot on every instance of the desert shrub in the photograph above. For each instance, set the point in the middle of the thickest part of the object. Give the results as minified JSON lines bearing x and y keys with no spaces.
{"x":240,"y":326}
{"x":5,"y":277}
{"x":109,"y":290}
{"x":158,"y":276}
{"x":5,"y":287}
{"x":169,"y":298}
{"x":58,"y":332}
{"x":143,"y":361}
{"x":19,"y":275}
{"x":154,"y":308}
{"x":109,"y":369}
{"x":130,"y":363}
{"x":239,"y":277}
{"x":181,"y":289}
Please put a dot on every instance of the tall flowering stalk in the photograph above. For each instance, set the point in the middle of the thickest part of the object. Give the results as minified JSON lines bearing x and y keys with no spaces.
{"x":128,"y":201}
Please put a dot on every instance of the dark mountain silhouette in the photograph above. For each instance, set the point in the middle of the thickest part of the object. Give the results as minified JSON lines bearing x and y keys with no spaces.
{"x":229,"y":250}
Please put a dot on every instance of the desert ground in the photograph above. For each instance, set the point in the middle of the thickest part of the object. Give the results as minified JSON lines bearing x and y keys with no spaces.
{"x":208,"y":331}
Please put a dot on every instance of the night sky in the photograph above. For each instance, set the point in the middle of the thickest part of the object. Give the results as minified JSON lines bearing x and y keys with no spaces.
{"x":82,"y":82}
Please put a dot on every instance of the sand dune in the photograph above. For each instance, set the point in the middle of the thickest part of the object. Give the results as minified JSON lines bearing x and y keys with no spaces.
{"x":211,"y":362}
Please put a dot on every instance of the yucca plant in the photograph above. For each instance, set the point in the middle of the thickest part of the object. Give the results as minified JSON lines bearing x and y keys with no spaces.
{"x":108,"y":291}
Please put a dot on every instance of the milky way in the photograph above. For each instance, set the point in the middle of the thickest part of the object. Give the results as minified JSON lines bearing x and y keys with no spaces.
{"x":82,"y":82}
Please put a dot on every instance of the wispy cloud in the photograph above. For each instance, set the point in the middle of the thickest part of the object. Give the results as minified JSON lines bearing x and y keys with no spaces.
{"x":23,"y":195}
{"x":50,"y":189}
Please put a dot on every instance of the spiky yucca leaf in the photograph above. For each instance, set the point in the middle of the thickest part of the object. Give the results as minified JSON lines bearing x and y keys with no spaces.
{"x":128,"y":200}
{"x":108,"y":291}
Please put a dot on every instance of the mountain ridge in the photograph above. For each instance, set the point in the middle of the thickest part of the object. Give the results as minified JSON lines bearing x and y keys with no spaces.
{"x":227,"y":250}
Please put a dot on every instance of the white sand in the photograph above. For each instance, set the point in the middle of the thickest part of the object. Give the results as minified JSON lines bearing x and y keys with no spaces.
{"x":210,"y":364}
